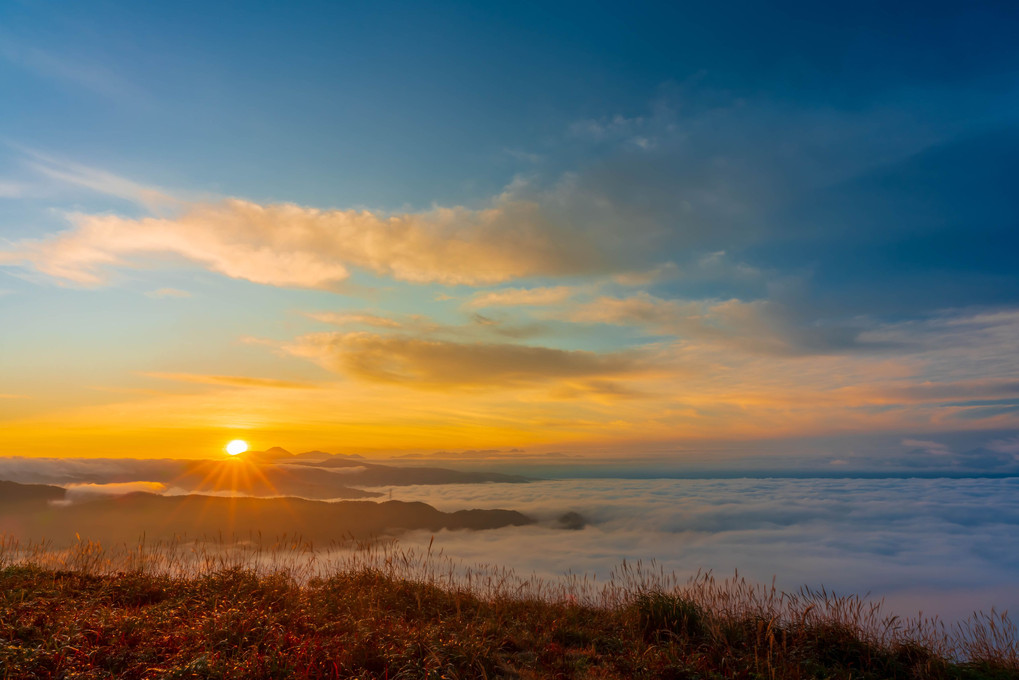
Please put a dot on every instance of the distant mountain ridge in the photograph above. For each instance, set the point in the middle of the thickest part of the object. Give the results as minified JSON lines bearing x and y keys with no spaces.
{"x":278,"y":453}
{"x":29,"y":513}
{"x":363,"y":473}
{"x":14,"y":493}
{"x":274,"y":472}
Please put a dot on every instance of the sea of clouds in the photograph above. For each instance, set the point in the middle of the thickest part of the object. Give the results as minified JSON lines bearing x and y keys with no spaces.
{"x":944,"y":546}
{"x":940,"y":546}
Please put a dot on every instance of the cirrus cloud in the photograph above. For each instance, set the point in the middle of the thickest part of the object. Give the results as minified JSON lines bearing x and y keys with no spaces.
{"x":519,"y":297}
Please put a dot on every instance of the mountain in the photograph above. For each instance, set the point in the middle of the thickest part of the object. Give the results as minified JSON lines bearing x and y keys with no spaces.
{"x":124,"y":519}
{"x":275,"y":453}
{"x":278,"y":478}
{"x":274,"y":472}
{"x":360,"y":473}
{"x":12,"y":493}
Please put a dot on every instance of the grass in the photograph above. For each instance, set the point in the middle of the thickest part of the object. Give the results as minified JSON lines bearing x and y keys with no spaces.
{"x":194,"y":609}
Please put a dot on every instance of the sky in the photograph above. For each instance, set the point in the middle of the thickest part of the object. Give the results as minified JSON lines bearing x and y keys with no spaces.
{"x":673,"y":230}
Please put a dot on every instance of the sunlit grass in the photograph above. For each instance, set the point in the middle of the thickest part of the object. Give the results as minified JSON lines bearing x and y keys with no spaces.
{"x":284,"y":608}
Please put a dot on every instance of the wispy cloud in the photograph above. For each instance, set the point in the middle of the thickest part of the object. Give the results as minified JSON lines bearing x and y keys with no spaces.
{"x":648,"y":276}
{"x":522,"y":297}
{"x":168,"y":293}
{"x":98,"y":180}
{"x":86,"y":73}
{"x":933,"y":448}
{"x":13,"y":189}
{"x":475,"y":327}
{"x":233,"y":381}
{"x":356,"y":318}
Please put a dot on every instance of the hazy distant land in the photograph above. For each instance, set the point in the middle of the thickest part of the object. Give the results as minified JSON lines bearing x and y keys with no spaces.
{"x":275,"y":472}
{"x":266,"y":493}
{"x":43,"y":513}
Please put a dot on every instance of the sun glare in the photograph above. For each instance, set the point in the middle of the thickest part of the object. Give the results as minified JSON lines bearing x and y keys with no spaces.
{"x":236,"y":446}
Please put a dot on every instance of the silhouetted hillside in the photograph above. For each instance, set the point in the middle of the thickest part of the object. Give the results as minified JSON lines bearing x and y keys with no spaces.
{"x":11,"y":493}
{"x":121,"y":519}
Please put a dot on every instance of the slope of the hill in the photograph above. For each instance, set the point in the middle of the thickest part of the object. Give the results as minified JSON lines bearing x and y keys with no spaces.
{"x":365,"y":624}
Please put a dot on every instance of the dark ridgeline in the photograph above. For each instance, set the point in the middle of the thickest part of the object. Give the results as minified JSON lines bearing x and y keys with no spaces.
{"x":275,"y":472}
{"x":355,"y":470}
{"x":39,"y":512}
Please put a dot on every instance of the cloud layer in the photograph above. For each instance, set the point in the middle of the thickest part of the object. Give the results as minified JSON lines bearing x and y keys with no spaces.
{"x":942,"y":546}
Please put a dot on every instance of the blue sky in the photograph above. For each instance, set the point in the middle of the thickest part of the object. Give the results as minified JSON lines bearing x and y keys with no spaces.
{"x":802,"y":184}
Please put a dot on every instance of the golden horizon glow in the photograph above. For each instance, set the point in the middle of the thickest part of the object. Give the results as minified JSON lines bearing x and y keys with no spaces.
{"x":237,"y":447}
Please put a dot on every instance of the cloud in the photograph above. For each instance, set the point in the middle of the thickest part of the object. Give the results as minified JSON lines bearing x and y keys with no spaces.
{"x":947,"y":391}
{"x":471,"y":454}
{"x":619,"y":128}
{"x":511,"y":297}
{"x":428,"y":363}
{"x":294,"y":246}
{"x":758,"y":326}
{"x":1010,"y":446}
{"x":476,"y":327}
{"x":647,"y":277}
{"x":13,"y":189}
{"x":65,"y":471}
{"x":233,"y":381}
{"x":356,"y":319}
{"x":168,"y":293}
{"x":98,"y":180}
{"x":80,"y":72}
{"x":83,"y":492}
{"x":945,"y":546}
{"x":929,"y":447}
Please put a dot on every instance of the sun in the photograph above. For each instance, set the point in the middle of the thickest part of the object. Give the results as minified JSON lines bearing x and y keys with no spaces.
{"x":236,"y":446}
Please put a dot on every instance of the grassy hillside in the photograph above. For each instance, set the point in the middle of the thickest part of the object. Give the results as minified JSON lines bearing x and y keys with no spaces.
{"x":375,"y":622}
